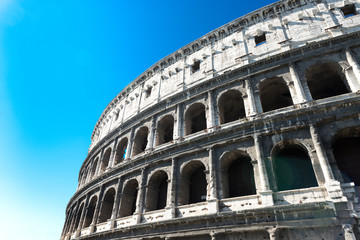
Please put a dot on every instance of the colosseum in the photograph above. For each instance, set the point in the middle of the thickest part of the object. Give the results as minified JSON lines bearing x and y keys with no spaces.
{"x":249,"y":132}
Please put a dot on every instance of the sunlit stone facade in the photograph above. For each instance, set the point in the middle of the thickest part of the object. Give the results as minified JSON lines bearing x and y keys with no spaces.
{"x":250,"y":132}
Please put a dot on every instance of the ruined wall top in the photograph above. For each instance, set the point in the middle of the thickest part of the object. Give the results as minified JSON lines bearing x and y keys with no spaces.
{"x":273,"y":29}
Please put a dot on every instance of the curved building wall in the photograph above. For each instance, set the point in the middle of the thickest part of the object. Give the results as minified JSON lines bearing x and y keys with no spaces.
{"x":249,"y":132}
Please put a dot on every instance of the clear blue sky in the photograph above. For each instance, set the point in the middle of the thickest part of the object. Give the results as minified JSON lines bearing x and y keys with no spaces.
{"x":61,"y":63}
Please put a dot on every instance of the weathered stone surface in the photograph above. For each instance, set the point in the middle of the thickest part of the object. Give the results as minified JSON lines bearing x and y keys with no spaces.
{"x":254,"y":135}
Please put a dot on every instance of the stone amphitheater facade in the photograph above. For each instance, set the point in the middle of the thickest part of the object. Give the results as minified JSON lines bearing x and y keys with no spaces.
{"x":250,"y":132}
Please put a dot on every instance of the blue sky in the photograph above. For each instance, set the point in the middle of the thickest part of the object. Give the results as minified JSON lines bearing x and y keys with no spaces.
{"x":61,"y":63}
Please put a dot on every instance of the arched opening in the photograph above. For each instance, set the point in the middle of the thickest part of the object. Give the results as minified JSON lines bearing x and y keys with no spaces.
{"x":193,"y":183}
{"x":128,"y":200}
{"x":107,"y":205}
{"x":274,"y":94}
{"x":326,"y":80}
{"x":90,"y":212}
{"x":78,"y":215}
{"x":346,"y":151}
{"x":238,"y":175}
{"x":293,"y":168}
{"x":94,"y":166}
{"x":231,"y":106}
{"x":105,"y":160}
{"x":195,"y":119}
{"x":121,"y":150}
{"x":140,"y":141}
{"x":157,"y":191}
{"x":165,"y":130}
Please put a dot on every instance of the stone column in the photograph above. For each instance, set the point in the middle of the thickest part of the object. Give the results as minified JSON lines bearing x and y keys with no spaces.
{"x":273,"y":233}
{"x":178,"y":122}
{"x":213,"y":235}
{"x":99,"y":162}
{"x":265,"y":191}
{"x":123,"y":107}
{"x":348,"y":232}
{"x":211,"y":122}
{"x":171,"y":199}
{"x":333,"y":187}
{"x":151,"y":135}
{"x":355,"y":66}
{"x":116,"y":203}
{"x":130,"y":144}
{"x":112,"y":155}
{"x":81,"y":221}
{"x":97,"y":210}
{"x":212,"y":185}
{"x":300,"y":95}
{"x":250,"y":98}
{"x":140,"y":198}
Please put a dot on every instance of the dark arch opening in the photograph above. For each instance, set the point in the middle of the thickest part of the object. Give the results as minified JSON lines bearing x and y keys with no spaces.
{"x":121,"y":150}
{"x":128,"y":199}
{"x":238,"y":175}
{"x":107,"y":205}
{"x":90,"y":212}
{"x":165,"y":130}
{"x":274,"y":94}
{"x":346,"y":151}
{"x":231,"y":106}
{"x":193,"y":183}
{"x":293,"y":169}
{"x":157,"y":191}
{"x":93,"y":170}
{"x":195,"y":119}
{"x":140,"y":141}
{"x":326,"y":80}
{"x":105,"y":160}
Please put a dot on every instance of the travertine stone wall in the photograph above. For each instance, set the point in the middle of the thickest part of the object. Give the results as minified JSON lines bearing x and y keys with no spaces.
{"x":206,"y":127}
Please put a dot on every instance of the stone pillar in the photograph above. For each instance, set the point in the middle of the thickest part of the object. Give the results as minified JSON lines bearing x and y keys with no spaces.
{"x":211,"y":122}
{"x":98,"y":167}
{"x":300,"y":95}
{"x":348,"y":232}
{"x":212,"y":185}
{"x":81,"y":221}
{"x":178,"y":122}
{"x":140,"y":198}
{"x":333,"y":187}
{"x":264,"y":191}
{"x":123,"y":107}
{"x":171,"y":199}
{"x":355,"y":66}
{"x":112,"y":155}
{"x":273,"y":233}
{"x":97,"y":210}
{"x":130,"y":144}
{"x":116,"y":203}
{"x":151,"y":135}
{"x":213,"y":235}
{"x":250,"y":98}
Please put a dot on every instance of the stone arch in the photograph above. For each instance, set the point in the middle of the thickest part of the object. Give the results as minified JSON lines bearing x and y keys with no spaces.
{"x":70,"y":216}
{"x":121,"y":150}
{"x":346,"y":150}
{"x":292,"y":166}
{"x":93,"y":169}
{"x":105,"y":160}
{"x":193,"y":183}
{"x":157,"y":191}
{"x":326,"y":80}
{"x":128,"y":198}
{"x":107,"y":205}
{"x":140,"y":141}
{"x":78,"y":215}
{"x":90,"y":211}
{"x":237,"y":176}
{"x":231,"y":106}
{"x":274,"y":94}
{"x":195,"y":119}
{"x":165,"y":130}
